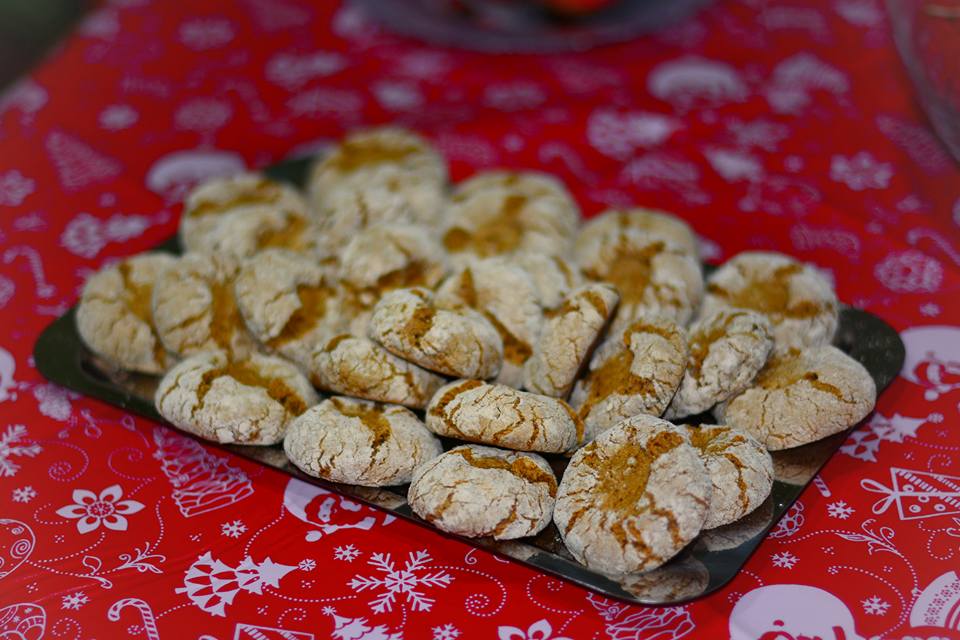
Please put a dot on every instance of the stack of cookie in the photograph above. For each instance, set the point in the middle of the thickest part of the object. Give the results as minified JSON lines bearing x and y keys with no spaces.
{"x":484,"y":314}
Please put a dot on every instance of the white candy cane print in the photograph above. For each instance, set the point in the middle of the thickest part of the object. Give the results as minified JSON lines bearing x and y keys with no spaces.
{"x":44,"y":288}
{"x":915,"y":235}
{"x":149,"y":621}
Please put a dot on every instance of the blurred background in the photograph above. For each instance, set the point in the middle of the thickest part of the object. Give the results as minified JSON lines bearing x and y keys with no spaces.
{"x":30,"y":28}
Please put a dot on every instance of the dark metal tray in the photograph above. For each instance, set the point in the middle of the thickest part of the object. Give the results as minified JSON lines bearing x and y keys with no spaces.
{"x":705,"y":565}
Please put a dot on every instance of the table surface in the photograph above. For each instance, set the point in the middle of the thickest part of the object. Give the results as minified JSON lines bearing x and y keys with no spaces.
{"x":765,"y":124}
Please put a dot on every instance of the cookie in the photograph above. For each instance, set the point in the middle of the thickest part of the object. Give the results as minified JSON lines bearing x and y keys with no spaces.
{"x":506,"y":296}
{"x":388,"y":165}
{"x":477,"y":491}
{"x":633,"y":498}
{"x":511,"y":218}
{"x":727,"y":350}
{"x":114,"y":318}
{"x":460,"y":343}
{"x":800,"y":304}
{"x":360,"y":367}
{"x":496,"y":414}
{"x":347,"y":213}
{"x":636,"y":371}
{"x":243,"y":233}
{"x":568,"y":336}
{"x":360,"y":442}
{"x":800,"y":397}
{"x":289,"y":302}
{"x":740,"y":469}
{"x":653,"y":276}
{"x":249,"y":401}
{"x":651,"y":223}
{"x":195,"y":307}
{"x":208,"y":205}
{"x":390,"y":256}
{"x":553,"y":276}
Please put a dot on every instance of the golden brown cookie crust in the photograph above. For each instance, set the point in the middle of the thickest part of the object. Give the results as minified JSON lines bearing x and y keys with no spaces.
{"x":802,"y":397}
{"x":800,"y":304}
{"x":740,"y":468}
{"x":360,"y":442}
{"x":114,"y":316}
{"x":248,"y":401}
{"x":499,"y":415}
{"x":460,"y":343}
{"x":633,"y":498}
{"x":478,"y":491}
{"x":636,"y":371}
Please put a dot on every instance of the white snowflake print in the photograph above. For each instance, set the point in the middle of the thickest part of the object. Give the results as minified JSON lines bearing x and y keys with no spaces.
{"x":14,"y":188}
{"x":203,"y":114}
{"x":206,"y":33}
{"x":307,"y":564}
{"x":233,"y":529}
{"x":347,"y":553}
{"x":515,"y":96}
{"x":446,"y":632}
{"x":92,"y":510}
{"x":784,"y":560}
{"x":12,"y":444}
{"x":840,"y":509}
{"x":24,"y":494}
{"x":117,"y":117}
{"x":860,"y":171}
{"x":292,"y":71}
{"x":409,"y":581}
{"x":930,"y":309}
{"x":74,"y":601}
{"x":874,"y":606}
{"x":539,"y":630}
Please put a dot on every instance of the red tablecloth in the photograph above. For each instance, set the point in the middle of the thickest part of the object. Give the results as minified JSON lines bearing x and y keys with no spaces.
{"x":766,"y":124}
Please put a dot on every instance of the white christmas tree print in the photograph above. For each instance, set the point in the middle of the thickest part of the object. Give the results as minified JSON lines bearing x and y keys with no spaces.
{"x":409,"y":581}
{"x":358,"y":628}
{"x":11,"y":444}
{"x":212,"y":585}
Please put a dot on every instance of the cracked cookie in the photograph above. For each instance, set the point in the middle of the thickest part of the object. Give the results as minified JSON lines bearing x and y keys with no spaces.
{"x":289,"y":303}
{"x":460,"y":343}
{"x":477,"y":491}
{"x":740,"y":468}
{"x":388,"y":165}
{"x":360,"y":442}
{"x":114,"y":317}
{"x":635,"y":371}
{"x":800,"y":304}
{"x":247,"y":401}
{"x":802,"y":397}
{"x":553,"y":276}
{"x":496,"y":414}
{"x":195,"y":307}
{"x":652,"y":276}
{"x":568,"y":336}
{"x":505,"y":295}
{"x":727,"y":350}
{"x":215,"y":201}
{"x":651,"y":223}
{"x":531,"y":213}
{"x":244,"y":233}
{"x":360,"y":367}
{"x":391,"y":256}
{"x":633,"y":498}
